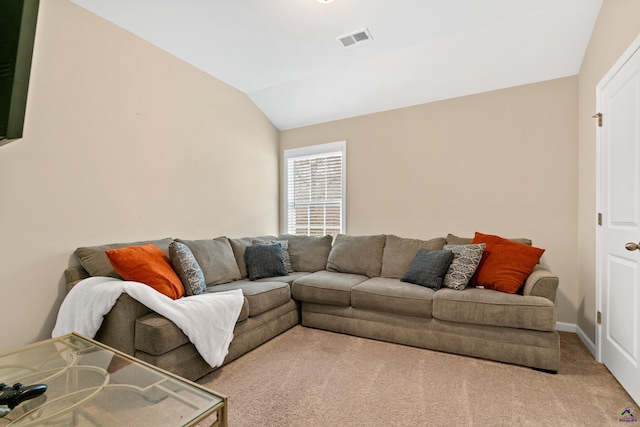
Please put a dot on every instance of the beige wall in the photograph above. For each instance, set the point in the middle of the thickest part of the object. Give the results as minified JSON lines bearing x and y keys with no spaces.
{"x":122,"y":142}
{"x":503,"y":162}
{"x":617,"y":26}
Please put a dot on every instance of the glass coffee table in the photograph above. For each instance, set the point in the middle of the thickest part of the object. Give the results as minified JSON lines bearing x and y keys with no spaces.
{"x":91,"y":384}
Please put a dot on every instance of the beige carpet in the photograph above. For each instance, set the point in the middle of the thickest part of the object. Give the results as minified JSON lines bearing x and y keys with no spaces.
{"x":308,"y":377}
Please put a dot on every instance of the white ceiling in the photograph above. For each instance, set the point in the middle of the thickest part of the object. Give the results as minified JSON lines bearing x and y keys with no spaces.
{"x":284,"y":54}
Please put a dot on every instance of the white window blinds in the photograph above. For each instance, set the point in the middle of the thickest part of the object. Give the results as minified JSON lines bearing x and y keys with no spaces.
{"x":315,"y":190}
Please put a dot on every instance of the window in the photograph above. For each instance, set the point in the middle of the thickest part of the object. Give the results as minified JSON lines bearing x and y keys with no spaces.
{"x":314,"y":185}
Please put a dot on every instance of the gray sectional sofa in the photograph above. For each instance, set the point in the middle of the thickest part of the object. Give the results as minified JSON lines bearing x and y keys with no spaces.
{"x":348,"y":286}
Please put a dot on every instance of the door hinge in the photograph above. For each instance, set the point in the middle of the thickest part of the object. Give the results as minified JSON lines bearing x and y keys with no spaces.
{"x":599,"y":317}
{"x":599,"y":117}
{"x":599,"y":218}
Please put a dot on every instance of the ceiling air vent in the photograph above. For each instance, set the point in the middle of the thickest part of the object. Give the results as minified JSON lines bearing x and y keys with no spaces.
{"x":355,"y":37}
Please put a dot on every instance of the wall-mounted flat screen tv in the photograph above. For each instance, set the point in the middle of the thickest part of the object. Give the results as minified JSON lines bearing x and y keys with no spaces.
{"x":17,"y":34}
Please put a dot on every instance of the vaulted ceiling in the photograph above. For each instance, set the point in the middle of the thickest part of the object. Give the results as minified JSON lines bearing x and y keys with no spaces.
{"x":285,"y":55}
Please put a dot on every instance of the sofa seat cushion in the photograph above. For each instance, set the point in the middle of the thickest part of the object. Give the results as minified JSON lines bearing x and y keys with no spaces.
{"x":262,"y":296}
{"x":494,"y":308}
{"x":284,"y":279}
{"x":326,"y":287}
{"x":393,"y":296}
{"x":244,"y":312}
{"x":155,"y":334}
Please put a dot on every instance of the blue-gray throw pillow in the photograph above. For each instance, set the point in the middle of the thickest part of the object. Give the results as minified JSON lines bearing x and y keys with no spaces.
{"x":284,"y":245}
{"x":188,"y":269}
{"x":428,"y":268}
{"x":264,"y":261}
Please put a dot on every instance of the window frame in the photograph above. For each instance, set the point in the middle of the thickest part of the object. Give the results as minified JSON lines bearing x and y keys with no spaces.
{"x":318,"y":150}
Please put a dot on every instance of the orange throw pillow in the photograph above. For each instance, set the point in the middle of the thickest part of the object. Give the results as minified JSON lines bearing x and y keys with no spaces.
{"x":505,"y":265}
{"x":149,"y":265}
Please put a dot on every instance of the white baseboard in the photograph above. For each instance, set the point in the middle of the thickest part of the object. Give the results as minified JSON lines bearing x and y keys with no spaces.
{"x":570,"y":327}
{"x":566,"y":327}
{"x":591,"y":346}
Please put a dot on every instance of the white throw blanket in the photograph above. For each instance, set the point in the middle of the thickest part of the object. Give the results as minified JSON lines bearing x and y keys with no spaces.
{"x":207,"y":319}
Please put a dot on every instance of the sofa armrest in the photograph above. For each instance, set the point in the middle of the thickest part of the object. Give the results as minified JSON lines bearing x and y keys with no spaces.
{"x":73,"y":275}
{"x":118,"y":326}
{"x":541,"y":283}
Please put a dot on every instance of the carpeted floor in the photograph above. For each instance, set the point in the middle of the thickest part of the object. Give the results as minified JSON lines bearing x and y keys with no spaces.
{"x":308,"y":377}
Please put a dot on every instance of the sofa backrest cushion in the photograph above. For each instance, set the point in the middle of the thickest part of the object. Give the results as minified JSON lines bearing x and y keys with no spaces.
{"x":308,"y":253}
{"x":455,"y":240}
{"x":399,"y":253}
{"x":215,"y":258}
{"x":357,"y":254}
{"x":240,"y":245}
{"x":95,"y":261}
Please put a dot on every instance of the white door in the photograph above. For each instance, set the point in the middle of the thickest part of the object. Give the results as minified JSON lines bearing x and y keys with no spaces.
{"x":618,"y":247}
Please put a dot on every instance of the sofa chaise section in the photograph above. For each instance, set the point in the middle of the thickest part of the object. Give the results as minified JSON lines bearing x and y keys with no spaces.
{"x":268,"y":308}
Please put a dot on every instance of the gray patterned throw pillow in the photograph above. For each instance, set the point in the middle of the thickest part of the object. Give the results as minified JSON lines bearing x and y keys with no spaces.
{"x":465,"y":261}
{"x":188,"y":269}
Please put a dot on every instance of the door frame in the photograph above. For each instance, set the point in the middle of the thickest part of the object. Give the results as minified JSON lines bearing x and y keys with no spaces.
{"x":615,"y":68}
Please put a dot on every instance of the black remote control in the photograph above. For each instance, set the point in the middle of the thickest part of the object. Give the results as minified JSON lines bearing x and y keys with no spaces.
{"x":13,"y":396}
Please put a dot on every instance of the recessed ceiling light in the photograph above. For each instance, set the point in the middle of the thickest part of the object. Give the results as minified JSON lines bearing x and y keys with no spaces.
{"x":325,"y":1}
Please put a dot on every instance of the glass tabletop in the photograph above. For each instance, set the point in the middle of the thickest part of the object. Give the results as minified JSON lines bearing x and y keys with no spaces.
{"x":91,"y":384}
